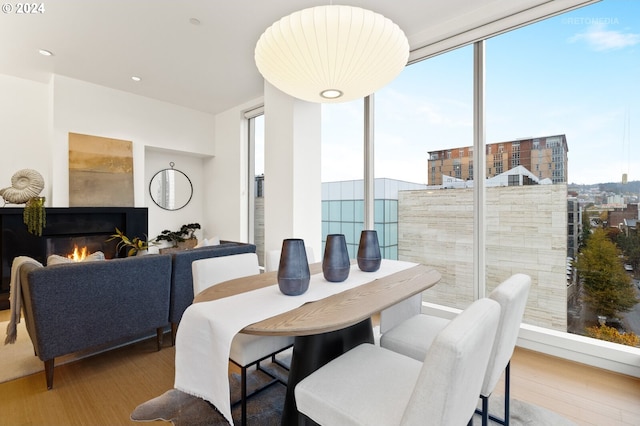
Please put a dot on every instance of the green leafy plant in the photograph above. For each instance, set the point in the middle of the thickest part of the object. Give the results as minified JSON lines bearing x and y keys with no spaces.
{"x":133,"y":245}
{"x":35,"y":215}
{"x":185,"y":232}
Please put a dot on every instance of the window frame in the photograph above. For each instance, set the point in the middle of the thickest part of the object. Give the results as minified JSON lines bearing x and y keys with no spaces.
{"x":614,"y":357}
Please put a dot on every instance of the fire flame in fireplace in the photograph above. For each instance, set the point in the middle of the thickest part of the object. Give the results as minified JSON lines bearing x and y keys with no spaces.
{"x":78,"y":255}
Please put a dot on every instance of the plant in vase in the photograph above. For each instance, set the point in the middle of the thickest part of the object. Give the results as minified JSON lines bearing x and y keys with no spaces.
{"x":186,"y":234}
{"x":134,"y":245}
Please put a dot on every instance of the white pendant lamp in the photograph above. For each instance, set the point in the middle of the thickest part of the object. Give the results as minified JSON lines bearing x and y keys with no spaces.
{"x":331,"y":53}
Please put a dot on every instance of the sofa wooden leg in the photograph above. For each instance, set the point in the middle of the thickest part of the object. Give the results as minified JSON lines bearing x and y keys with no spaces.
{"x":159,"y":336}
{"x":48,"y":371}
{"x":174,"y":331}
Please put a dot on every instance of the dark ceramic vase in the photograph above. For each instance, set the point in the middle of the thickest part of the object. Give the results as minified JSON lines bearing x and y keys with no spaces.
{"x":369,"y":257}
{"x":335,"y":262}
{"x":293,"y":273}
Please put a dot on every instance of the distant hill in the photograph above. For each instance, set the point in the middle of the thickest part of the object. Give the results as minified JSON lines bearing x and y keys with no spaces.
{"x":632,"y":186}
{"x":616,"y":187}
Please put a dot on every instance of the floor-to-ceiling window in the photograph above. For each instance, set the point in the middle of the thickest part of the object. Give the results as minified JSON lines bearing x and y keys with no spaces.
{"x":559,"y":95}
{"x":561,"y":98}
{"x":423,"y":122}
{"x":342,"y":172}
{"x":256,"y":181}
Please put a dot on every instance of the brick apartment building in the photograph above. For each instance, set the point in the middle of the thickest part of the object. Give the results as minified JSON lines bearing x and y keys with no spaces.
{"x":545,"y":157}
{"x":617,"y":216}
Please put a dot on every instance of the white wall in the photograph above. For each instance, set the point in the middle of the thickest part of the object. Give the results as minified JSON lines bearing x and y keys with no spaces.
{"x":293,"y":188}
{"x":292,"y":195}
{"x":227,"y":175}
{"x":36,"y":119}
{"x":212,"y":150}
{"x":86,"y":108}
{"x":193,"y":166}
{"x":24,"y":130}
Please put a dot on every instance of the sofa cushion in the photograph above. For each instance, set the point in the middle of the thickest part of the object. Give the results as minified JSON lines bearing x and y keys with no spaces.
{"x":55,"y":259}
{"x":205,"y":242}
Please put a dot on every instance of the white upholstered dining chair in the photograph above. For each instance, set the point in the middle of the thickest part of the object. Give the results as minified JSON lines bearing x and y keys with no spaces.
{"x":414,"y":336}
{"x":400,"y":312}
{"x":371,"y":385}
{"x":272,"y":260}
{"x":246,"y":350}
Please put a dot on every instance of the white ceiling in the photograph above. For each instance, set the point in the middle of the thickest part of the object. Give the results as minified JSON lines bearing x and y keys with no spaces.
{"x":207,"y":67}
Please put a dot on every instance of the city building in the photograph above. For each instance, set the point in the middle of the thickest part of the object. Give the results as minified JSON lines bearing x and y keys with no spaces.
{"x":574,"y":226}
{"x":545,"y":157}
{"x":433,"y":226}
{"x":517,"y":176}
{"x":343,"y":212}
{"x":436,"y":227}
{"x":618,"y":215}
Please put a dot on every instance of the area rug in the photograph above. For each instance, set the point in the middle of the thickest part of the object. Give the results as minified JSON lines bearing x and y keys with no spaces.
{"x":265,"y":408}
{"x":523,"y":414}
{"x":18,"y":359}
{"x":181,"y":409}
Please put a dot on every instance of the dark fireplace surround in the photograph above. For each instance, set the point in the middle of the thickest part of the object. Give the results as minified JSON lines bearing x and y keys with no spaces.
{"x":66,"y":227}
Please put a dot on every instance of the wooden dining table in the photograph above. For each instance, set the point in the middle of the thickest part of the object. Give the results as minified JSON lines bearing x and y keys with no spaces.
{"x":326,"y":328}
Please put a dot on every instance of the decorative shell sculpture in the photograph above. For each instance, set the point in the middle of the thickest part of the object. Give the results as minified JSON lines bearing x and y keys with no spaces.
{"x":25,"y":184}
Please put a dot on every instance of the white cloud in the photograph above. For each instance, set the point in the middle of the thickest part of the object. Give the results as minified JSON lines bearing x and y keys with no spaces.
{"x":599,"y":38}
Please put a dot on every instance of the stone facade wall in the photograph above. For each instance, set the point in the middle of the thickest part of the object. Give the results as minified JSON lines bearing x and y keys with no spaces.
{"x":526,"y":232}
{"x":258,"y":228}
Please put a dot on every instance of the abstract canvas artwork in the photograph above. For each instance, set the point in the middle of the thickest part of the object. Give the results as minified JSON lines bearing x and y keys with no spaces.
{"x":100,"y":172}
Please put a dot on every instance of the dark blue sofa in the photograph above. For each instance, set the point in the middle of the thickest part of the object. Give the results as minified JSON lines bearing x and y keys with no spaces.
{"x":77,"y":306}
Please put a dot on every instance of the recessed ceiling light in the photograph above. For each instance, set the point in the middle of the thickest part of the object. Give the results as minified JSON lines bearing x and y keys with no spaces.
{"x":44,"y":52}
{"x":136,"y":78}
{"x":194,"y":21}
{"x":331,"y":94}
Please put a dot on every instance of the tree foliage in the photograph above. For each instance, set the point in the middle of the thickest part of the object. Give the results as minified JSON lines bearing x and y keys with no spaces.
{"x":630,"y":246}
{"x":607,"y":287}
{"x":612,"y":234}
{"x":610,"y":334}
{"x":586,"y":230}
{"x":604,"y":216}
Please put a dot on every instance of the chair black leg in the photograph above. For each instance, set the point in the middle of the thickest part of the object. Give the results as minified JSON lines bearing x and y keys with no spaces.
{"x":243,"y":395}
{"x":280,"y":363}
{"x":485,"y":410}
{"x":243,"y":385}
{"x":507,"y":390}
{"x":485,"y":402}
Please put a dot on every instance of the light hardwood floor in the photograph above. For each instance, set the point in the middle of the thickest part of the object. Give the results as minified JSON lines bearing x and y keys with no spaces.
{"x":583,"y":394}
{"x":104,"y":389}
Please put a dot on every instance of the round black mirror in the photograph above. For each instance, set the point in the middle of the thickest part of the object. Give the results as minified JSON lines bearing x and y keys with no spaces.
{"x":171,"y":189}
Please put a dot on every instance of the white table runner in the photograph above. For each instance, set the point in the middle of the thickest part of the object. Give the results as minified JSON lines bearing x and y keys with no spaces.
{"x":206,"y":330}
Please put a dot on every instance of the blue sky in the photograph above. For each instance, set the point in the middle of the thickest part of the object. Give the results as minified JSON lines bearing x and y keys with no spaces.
{"x":576,"y":74}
